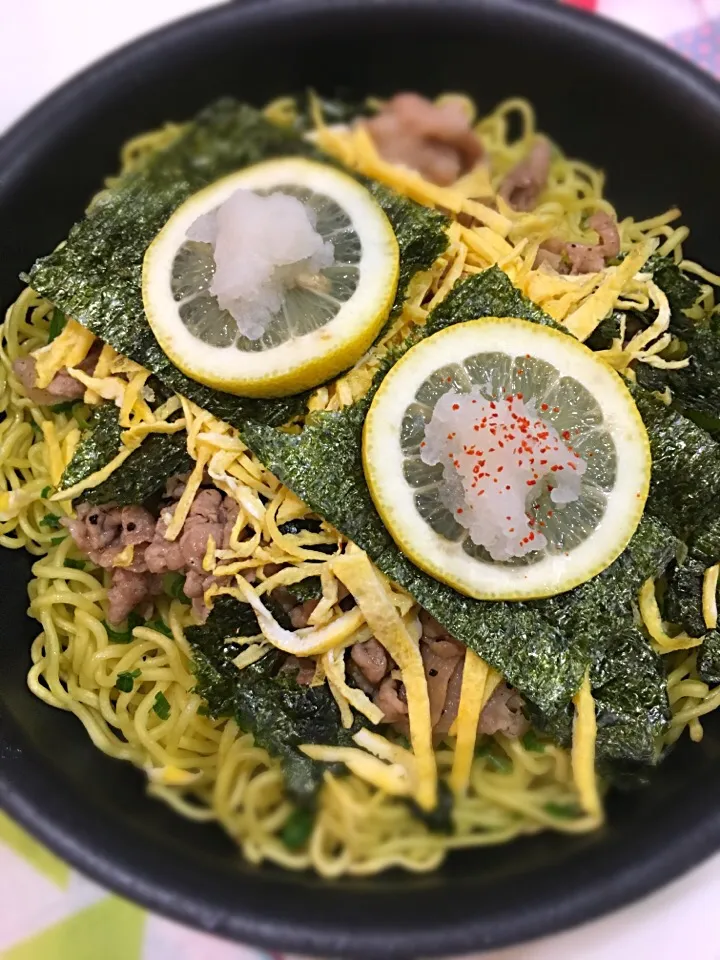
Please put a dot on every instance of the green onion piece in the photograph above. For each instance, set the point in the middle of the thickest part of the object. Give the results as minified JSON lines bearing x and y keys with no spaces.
{"x":532,"y":742}
{"x":45,"y":493}
{"x":297,"y":829}
{"x":56,"y":540}
{"x":51,"y":520}
{"x":161,"y":627}
{"x":126,"y":680}
{"x":124,"y":636}
{"x":161,"y":706}
{"x":563,"y":811}
{"x":75,"y":564}
{"x":173,"y":584}
{"x":64,"y":407}
{"x":57,"y":323}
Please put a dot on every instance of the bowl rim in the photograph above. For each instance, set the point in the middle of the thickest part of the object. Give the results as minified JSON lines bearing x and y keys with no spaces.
{"x":24,"y":786}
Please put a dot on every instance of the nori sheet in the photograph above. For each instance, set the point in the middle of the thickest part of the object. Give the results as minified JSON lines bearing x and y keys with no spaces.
{"x":100,"y":443}
{"x":279,"y":712}
{"x":522,"y":640}
{"x":708,"y":662}
{"x":96,"y":275}
{"x":683,"y":597}
{"x":685,"y":480}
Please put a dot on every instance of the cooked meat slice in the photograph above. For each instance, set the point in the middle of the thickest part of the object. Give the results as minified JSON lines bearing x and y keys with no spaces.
{"x":95,"y":528}
{"x":138,"y":525}
{"x":62,"y":387}
{"x":437,"y":141}
{"x":127,"y":590}
{"x":503,"y":713}
{"x":452,"y":700}
{"x":574,"y":258}
{"x":440,"y":658}
{"x":359,"y":678}
{"x":522,"y":186}
{"x":164,"y":556}
{"x":389,"y":700}
{"x":432,"y":630}
{"x":301,"y":613}
{"x":302,"y":667}
{"x":371,"y":659}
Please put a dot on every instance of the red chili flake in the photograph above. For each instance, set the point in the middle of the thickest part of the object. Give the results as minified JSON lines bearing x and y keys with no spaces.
{"x":492,"y":404}
{"x":480,"y":491}
{"x":549,"y":513}
{"x":530,"y":483}
{"x":519,"y":395}
{"x":500,"y":468}
{"x":459,"y":510}
{"x":543,"y":463}
{"x":566,"y":434}
{"x":508,"y":488}
{"x":556,"y":409}
{"x":511,"y":530}
{"x":520,"y":373}
{"x":476,"y":428}
{"x":550,"y":487}
{"x":572,"y":465}
{"x":448,"y":379}
{"x":531,"y":536}
{"x":544,"y":406}
{"x":456,"y":406}
{"x":422,"y":444}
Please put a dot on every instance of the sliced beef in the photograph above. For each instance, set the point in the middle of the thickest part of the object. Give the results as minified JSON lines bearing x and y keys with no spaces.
{"x":440,"y":658}
{"x":371,"y":660}
{"x":62,"y":387}
{"x":437,"y":141}
{"x":574,"y":258}
{"x":522,"y":186}
{"x":390,"y":698}
{"x":300,"y":614}
{"x":302,"y":667}
{"x":161,"y":555}
{"x":128,"y":590}
{"x":503,"y":713}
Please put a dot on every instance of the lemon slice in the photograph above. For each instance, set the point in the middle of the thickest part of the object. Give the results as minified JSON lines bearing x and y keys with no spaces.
{"x":506,"y":459}
{"x":324,"y":323}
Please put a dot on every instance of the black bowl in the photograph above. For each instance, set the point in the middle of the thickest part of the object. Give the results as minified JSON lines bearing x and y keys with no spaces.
{"x":653,"y":122}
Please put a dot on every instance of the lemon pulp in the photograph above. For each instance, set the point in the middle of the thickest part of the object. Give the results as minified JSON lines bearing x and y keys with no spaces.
{"x":566,"y":385}
{"x":325,"y":322}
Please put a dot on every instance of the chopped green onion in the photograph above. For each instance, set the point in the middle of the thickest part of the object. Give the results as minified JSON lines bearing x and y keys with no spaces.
{"x":45,"y":493}
{"x":56,"y":540}
{"x":126,"y":680}
{"x":75,"y":564}
{"x":160,"y":626}
{"x":124,"y":636}
{"x":51,"y":520}
{"x":297,"y":829}
{"x":64,"y":407}
{"x":173,"y":584}
{"x":161,"y":706}
{"x":57,"y":323}
{"x":563,"y":811}
{"x":500,"y":761}
{"x":532,"y":742}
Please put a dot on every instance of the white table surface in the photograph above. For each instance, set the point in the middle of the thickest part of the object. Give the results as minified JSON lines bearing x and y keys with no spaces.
{"x":43,"y":42}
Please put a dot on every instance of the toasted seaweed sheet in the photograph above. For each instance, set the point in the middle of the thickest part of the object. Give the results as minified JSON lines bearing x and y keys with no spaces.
{"x":96,"y":276}
{"x":543,"y":647}
{"x":279,"y":712}
{"x":100,"y":443}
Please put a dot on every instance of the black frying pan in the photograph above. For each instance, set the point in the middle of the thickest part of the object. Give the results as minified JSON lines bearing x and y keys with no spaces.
{"x":653,"y":122}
